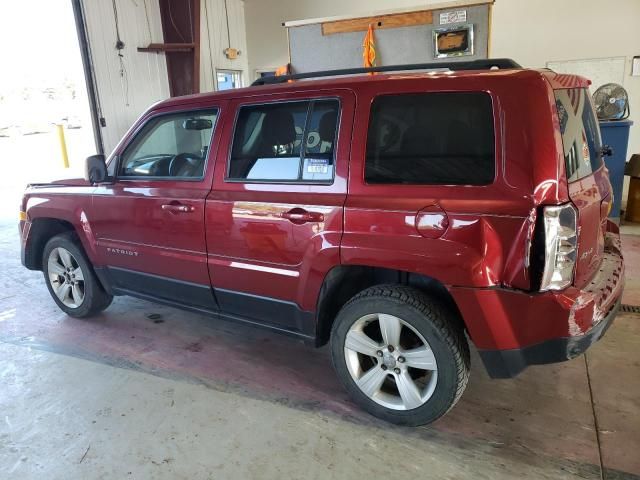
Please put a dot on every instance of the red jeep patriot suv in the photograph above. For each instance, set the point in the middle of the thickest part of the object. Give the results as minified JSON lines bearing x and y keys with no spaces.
{"x":397,"y":216}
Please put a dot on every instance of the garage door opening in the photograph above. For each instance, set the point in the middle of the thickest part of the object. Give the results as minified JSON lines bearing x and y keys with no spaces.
{"x":42,"y":97}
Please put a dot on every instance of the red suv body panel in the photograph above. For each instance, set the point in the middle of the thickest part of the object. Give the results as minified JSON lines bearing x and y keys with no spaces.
{"x":246,"y":260}
{"x":252,"y":248}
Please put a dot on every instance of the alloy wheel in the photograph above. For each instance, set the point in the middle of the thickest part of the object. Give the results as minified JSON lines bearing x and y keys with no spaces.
{"x":66,"y":277}
{"x":390,"y":361}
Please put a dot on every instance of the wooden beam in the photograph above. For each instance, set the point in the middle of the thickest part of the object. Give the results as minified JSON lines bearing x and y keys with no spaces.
{"x":489,"y":18}
{"x":449,"y":5}
{"x":196,"y":49}
{"x":382,"y":21}
{"x":168,"y":47}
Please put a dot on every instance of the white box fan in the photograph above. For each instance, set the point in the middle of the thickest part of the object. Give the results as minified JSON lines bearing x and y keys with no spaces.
{"x":611,"y":102}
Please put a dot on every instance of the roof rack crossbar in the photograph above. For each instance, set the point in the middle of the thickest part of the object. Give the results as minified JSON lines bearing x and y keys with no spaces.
{"x":483,"y":64}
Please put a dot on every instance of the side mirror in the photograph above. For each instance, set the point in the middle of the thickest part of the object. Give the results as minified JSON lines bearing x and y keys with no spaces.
{"x":96,"y":169}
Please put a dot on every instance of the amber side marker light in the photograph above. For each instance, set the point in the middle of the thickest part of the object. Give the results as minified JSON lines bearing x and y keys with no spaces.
{"x":22,"y":216}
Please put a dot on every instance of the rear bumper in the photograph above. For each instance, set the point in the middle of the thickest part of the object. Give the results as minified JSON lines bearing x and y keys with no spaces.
{"x":513,"y":330}
{"x":509,"y":363}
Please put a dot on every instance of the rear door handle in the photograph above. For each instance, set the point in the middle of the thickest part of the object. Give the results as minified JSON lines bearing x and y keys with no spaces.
{"x":300,"y":215}
{"x":177,"y":208}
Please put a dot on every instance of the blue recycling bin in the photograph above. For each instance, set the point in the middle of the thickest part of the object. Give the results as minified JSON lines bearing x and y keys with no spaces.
{"x":615,"y":133}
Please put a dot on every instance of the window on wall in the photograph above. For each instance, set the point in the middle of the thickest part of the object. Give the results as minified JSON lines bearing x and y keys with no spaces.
{"x":431,"y":138}
{"x":170,"y":146}
{"x":285,"y":142}
{"x":228,"y":79}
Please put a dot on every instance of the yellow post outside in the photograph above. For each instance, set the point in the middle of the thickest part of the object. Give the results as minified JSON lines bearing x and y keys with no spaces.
{"x":63,"y":146}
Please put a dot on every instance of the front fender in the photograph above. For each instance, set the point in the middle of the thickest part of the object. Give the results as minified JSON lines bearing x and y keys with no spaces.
{"x":70,"y":208}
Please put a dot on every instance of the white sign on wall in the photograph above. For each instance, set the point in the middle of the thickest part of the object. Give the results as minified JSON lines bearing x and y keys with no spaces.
{"x":455,"y":16}
{"x":598,"y":70}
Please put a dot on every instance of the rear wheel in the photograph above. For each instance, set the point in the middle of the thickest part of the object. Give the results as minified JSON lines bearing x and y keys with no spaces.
{"x":70,"y":278}
{"x":400,"y":354}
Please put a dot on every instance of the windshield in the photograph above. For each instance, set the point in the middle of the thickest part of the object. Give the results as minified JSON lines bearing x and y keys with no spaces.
{"x":580,"y":133}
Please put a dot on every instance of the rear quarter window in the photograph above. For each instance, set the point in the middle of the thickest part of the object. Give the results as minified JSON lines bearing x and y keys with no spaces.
{"x":580,"y":133}
{"x":431,"y":139}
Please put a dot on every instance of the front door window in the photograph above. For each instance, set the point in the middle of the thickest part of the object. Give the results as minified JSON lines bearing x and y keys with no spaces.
{"x":172,"y":146}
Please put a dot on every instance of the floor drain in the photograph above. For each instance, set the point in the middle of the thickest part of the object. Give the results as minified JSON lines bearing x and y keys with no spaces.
{"x":630,"y":308}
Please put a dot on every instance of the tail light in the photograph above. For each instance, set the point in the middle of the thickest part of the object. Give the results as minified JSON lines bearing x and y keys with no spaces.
{"x":559,"y":228}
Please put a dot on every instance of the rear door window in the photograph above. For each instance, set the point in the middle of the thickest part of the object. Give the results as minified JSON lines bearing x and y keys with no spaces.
{"x":285,"y":142}
{"x":431,"y":139}
{"x":580,"y":133}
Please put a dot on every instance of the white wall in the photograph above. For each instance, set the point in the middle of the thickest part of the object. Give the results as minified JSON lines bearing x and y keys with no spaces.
{"x":213,"y":41}
{"x":534,"y":33}
{"x":124,"y":98}
{"x":531,"y":32}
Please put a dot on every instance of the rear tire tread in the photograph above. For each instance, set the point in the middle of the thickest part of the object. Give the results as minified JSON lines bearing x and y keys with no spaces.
{"x":430,"y":308}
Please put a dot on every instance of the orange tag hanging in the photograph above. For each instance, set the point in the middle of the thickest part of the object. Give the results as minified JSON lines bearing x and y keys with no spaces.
{"x":369,"y":49}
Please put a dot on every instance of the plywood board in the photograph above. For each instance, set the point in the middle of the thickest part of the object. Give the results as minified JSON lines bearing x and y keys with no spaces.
{"x":379,"y":22}
{"x":310,"y":50}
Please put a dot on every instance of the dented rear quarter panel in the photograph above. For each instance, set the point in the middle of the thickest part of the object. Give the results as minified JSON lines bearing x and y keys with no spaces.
{"x":487,"y":238}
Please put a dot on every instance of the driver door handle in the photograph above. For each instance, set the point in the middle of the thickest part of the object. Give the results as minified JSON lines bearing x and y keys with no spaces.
{"x":177,"y":208}
{"x":300,"y":216}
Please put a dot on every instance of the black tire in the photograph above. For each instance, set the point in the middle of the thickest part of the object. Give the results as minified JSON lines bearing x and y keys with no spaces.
{"x":439,"y":327}
{"x":95,"y":298}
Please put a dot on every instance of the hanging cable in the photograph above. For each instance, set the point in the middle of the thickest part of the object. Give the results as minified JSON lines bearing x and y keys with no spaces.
{"x":226,"y":15}
{"x":124,"y":77}
{"x":119,"y":42}
{"x":173,"y":22}
{"x":146,"y":14}
{"x":193,"y":37}
{"x":213,"y":73}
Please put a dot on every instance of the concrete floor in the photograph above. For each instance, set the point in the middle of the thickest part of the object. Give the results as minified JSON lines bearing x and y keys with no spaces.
{"x":185,"y":396}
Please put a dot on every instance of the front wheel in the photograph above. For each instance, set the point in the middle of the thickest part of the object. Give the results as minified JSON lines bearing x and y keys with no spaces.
{"x":70,"y":279}
{"x":400,"y":354}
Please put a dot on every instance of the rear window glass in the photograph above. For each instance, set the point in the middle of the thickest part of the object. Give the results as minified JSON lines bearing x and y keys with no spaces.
{"x":431,"y":138}
{"x":580,"y":133}
{"x":285,"y":142}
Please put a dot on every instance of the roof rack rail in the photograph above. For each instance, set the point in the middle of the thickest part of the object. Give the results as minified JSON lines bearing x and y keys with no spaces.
{"x":483,"y":64}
